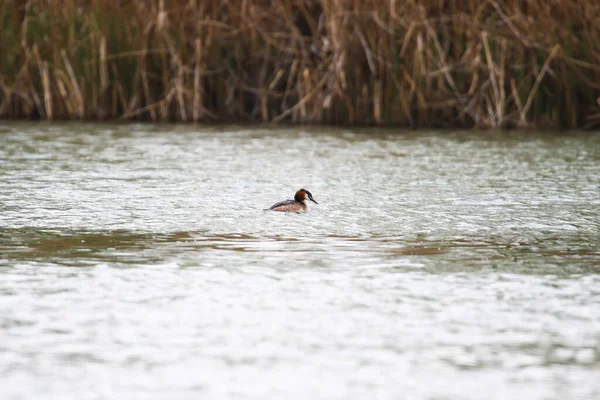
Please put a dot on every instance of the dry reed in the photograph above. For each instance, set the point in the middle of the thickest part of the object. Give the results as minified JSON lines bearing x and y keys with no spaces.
{"x":494,"y":63}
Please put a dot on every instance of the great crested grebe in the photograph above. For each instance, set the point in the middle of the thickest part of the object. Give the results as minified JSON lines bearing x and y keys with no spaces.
{"x":296,"y":205}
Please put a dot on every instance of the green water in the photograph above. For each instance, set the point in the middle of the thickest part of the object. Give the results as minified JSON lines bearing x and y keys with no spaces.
{"x":136,"y":262}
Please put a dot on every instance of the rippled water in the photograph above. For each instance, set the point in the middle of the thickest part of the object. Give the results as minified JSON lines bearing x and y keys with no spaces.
{"x":136,"y":262}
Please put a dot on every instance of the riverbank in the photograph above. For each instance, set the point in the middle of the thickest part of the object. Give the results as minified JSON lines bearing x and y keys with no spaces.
{"x":412,"y":64}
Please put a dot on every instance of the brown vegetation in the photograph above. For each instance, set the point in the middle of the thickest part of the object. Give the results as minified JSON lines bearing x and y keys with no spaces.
{"x":411,"y":63}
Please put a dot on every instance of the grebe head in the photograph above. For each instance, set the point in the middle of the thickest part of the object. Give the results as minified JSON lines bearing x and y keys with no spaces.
{"x":301,"y":194}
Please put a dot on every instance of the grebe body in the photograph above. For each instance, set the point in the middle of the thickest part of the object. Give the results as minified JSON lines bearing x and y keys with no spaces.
{"x":297,"y":205}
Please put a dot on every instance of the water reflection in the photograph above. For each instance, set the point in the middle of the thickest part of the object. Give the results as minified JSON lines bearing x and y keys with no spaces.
{"x":84,"y":248}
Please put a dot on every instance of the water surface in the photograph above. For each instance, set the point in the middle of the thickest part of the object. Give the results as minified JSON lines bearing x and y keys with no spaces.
{"x":136,"y":262}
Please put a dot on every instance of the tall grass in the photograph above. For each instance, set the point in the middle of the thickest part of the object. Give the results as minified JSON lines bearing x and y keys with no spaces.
{"x":495,"y":63}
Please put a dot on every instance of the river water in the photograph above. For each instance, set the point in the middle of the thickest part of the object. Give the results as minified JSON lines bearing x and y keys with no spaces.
{"x":136,"y":262}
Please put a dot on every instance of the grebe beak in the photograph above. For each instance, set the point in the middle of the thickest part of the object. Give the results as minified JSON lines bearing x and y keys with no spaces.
{"x":311,"y":198}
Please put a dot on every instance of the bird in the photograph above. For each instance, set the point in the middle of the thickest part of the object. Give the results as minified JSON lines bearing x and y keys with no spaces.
{"x":297,"y":205}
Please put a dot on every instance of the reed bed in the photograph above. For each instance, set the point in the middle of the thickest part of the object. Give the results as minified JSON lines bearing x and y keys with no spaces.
{"x":454,"y":63}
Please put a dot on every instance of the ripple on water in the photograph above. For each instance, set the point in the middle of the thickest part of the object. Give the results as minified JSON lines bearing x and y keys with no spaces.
{"x":136,"y":262}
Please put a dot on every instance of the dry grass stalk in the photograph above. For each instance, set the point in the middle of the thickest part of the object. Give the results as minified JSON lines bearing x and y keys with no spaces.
{"x":496,"y":63}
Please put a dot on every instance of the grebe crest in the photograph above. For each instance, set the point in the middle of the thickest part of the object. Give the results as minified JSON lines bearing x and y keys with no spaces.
{"x":297,"y":205}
